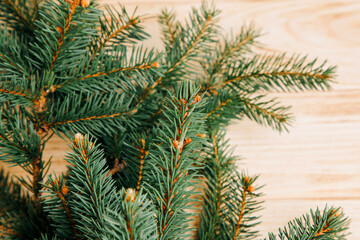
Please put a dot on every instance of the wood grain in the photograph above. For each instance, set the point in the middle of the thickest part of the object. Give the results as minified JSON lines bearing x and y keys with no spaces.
{"x":318,"y":162}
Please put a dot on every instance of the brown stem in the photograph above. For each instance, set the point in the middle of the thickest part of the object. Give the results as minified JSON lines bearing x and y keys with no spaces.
{"x":68,"y":212}
{"x":36,"y":165}
{"x":241,"y":215}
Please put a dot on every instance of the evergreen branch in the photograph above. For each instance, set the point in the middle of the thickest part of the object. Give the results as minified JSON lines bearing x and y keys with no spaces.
{"x":63,"y":31}
{"x":95,"y":117}
{"x":130,"y":216}
{"x":328,"y":224}
{"x":121,"y":29}
{"x":266,"y":112}
{"x":117,"y":70}
{"x":19,"y":70}
{"x":191,"y":41}
{"x":135,"y":163}
{"x":247,"y":206}
{"x":191,"y":48}
{"x":222,"y":107}
{"x":61,"y":195}
{"x":13,"y":92}
{"x":229,"y":199}
{"x":171,"y":171}
{"x":218,"y":107}
{"x":216,"y":173}
{"x":19,"y":142}
{"x":170,"y":28}
{"x":134,"y":68}
{"x":277,"y":73}
{"x":99,"y":114}
{"x":143,"y":153}
{"x":88,"y":205}
{"x":63,"y":36}
{"x":116,"y":168}
{"x":231,"y":51}
{"x":57,"y":206}
{"x":240,"y":218}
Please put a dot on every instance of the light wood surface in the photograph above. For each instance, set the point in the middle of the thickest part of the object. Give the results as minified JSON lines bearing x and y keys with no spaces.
{"x":318,"y":162}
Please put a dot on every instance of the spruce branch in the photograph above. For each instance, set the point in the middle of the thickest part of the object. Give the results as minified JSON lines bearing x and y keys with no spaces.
{"x":89,"y":188}
{"x":170,"y":28}
{"x":117,"y":70}
{"x":132,"y":219}
{"x":266,"y":111}
{"x":327,"y":224}
{"x":194,"y":38}
{"x":118,"y":28}
{"x":276,"y":73}
{"x":172,"y":159}
{"x":230,"y":199}
{"x":57,"y":205}
{"x":229,"y":51}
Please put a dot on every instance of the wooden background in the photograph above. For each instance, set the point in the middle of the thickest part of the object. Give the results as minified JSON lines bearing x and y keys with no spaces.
{"x":318,"y":162}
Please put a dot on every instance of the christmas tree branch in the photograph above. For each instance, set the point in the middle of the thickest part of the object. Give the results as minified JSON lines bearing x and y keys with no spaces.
{"x":63,"y":31}
{"x":131,"y":22}
{"x":131,"y":112}
{"x":58,"y":192}
{"x":170,"y":171}
{"x":231,"y":51}
{"x":143,"y":153}
{"x":134,"y":68}
{"x":277,"y":73}
{"x":191,"y":48}
{"x":67,"y":209}
{"x":273,"y":74}
{"x":327,"y":224}
{"x":167,"y":19}
{"x":218,"y":107}
{"x":266,"y":111}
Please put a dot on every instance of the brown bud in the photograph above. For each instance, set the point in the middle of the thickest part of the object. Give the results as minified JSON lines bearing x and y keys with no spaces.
{"x":183,"y":101}
{"x":201,"y":135}
{"x":246,"y":179}
{"x":60,"y":30}
{"x":142,"y":143}
{"x":64,"y":190}
{"x":84,"y":3}
{"x":78,"y":138}
{"x":134,"y":21}
{"x":155,"y":64}
{"x":196,"y":99}
{"x":250,"y":189}
{"x":187,"y":141}
{"x":130,"y":195}
{"x":175,"y":143}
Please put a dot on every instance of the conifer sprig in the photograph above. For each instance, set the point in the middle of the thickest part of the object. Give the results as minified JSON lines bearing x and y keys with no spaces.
{"x":327,"y":224}
{"x":132,"y":219}
{"x":230,"y":199}
{"x":118,"y":28}
{"x":160,"y":117}
{"x":171,"y":179}
{"x":277,"y":73}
